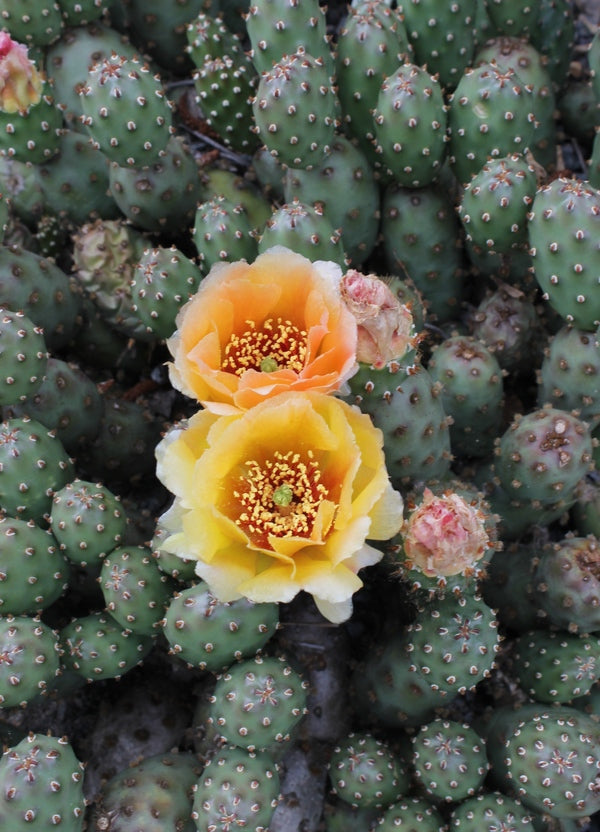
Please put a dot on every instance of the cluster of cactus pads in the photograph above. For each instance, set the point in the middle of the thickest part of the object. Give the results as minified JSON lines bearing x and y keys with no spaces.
{"x":451,"y":150}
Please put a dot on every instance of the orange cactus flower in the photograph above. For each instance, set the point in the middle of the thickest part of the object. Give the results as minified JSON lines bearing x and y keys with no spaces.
{"x":279,"y":498}
{"x":20,"y":82}
{"x":255,"y":330}
{"x":445,"y":535}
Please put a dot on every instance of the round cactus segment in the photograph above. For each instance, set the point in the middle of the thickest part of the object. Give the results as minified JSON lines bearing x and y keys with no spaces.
{"x":442,"y":36}
{"x":87,"y":520}
{"x":409,"y":411}
{"x":410,"y":125}
{"x":275,"y":29}
{"x":258,"y":703}
{"x":163,"y":280}
{"x":490,"y":114}
{"x":552,"y":761}
{"x":518,"y":52}
{"x":344,"y":171}
{"x":95,"y":646}
{"x":224,"y":86}
{"x":489,"y":812}
{"x":304,"y":229}
{"x":543,"y":455}
{"x":453,"y":642}
{"x":209,"y":36}
{"x":68,"y":61}
{"x":34,"y":464}
{"x":23,"y":357}
{"x":237,"y":787}
{"x":472,"y":393}
{"x":222,"y":231}
{"x":563,"y":235}
{"x":41,"y":781}
{"x":75,"y":182}
{"x":413,"y":813}
{"x":450,"y":760}
{"x":126,"y":111}
{"x":422,"y":241}
{"x":509,"y":19}
{"x":162,"y":195}
{"x":567,"y":583}
{"x":42,"y":290}
{"x":211,"y":634}
{"x":295,"y":110}
{"x":155,"y":794}
{"x":30,"y":22}
{"x":557,"y":666}
{"x":33,"y":572}
{"x":67,"y":402}
{"x":29,"y":659}
{"x":494,"y":205}
{"x":135,"y":590}
{"x":365,"y":772}
{"x":506,"y":322}
{"x":569,"y":375}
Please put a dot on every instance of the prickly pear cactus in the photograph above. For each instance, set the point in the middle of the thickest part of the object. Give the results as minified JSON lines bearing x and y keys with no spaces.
{"x":29,"y":659}
{"x":543,"y":455}
{"x":277,"y":28}
{"x":552,"y":760}
{"x":365,"y":772}
{"x":211,"y":634}
{"x":41,"y":781}
{"x":30,"y":122}
{"x":237,"y":786}
{"x":87,"y":520}
{"x":569,"y":376}
{"x":450,"y":760}
{"x":304,"y":229}
{"x":442,"y":36}
{"x":557,"y":666}
{"x":566,"y":583}
{"x":154,"y":795}
{"x":126,"y":111}
{"x":95,"y":646}
{"x":23,"y":357}
{"x":26,"y":489}
{"x":411,"y":125}
{"x":562,"y":234}
{"x":135,"y":591}
{"x":490,"y":114}
{"x":34,"y":573}
{"x":163,"y":280}
{"x":295,"y":110}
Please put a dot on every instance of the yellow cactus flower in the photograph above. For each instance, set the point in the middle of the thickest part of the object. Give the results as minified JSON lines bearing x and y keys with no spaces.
{"x":279,"y":498}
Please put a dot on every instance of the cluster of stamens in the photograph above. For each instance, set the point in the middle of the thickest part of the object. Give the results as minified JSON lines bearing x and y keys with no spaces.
{"x":280,"y":496}
{"x":278,"y":344}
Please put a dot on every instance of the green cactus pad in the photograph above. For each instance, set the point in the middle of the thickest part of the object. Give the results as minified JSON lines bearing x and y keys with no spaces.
{"x":41,"y":780}
{"x":29,"y":658}
{"x":211,"y":634}
{"x":257,"y":703}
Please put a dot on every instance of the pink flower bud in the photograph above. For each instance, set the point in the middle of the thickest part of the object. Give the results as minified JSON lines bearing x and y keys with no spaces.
{"x":445,"y":536}
{"x":385,"y":326}
{"x":20,"y":81}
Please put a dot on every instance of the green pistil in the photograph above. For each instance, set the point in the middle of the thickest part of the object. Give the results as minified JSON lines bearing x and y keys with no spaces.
{"x":268,"y":365}
{"x":283,"y":495}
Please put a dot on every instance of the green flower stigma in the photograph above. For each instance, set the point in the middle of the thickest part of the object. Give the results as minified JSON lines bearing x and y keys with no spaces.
{"x":283,"y":495}
{"x":268,"y":365}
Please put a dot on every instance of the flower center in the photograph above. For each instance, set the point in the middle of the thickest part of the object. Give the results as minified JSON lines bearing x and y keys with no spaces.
{"x":280,"y":496}
{"x":278,"y":344}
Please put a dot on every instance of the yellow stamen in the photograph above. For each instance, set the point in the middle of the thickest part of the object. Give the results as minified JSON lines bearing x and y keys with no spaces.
{"x":280,"y":496}
{"x":275,"y":345}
